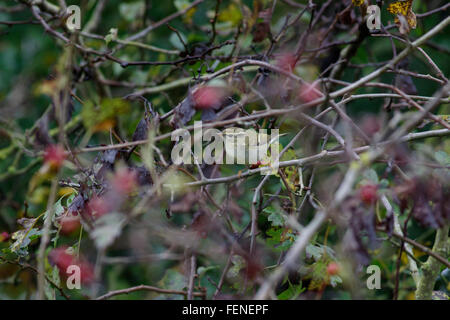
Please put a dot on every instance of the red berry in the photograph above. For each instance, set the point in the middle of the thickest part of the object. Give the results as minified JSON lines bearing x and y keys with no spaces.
{"x":61,"y":259}
{"x":370,"y":125}
{"x":69,"y":224}
{"x":124,"y":181}
{"x":97,"y":207}
{"x":333,"y":269}
{"x":286,"y":61}
{"x":368,"y":193}
{"x":87,"y":272}
{"x":4,"y":236}
{"x":54,"y":155}
{"x":208,"y":97}
{"x":64,"y":260}
{"x":309,"y":92}
{"x":255,"y":165}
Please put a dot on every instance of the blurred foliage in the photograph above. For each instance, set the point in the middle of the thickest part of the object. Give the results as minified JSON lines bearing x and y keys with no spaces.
{"x":32,"y":71}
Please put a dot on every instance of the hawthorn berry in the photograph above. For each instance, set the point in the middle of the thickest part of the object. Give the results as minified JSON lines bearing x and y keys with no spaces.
{"x":63,"y":260}
{"x":208,"y":97}
{"x":309,"y":92}
{"x":370,"y":125}
{"x":255,"y":165}
{"x":4,"y":236}
{"x":124,"y":181}
{"x":69,"y":224}
{"x":333,"y":269}
{"x":97,"y":207}
{"x":54,"y":156}
{"x":286,"y":61}
{"x":368,"y":193}
{"x":87,"y":272}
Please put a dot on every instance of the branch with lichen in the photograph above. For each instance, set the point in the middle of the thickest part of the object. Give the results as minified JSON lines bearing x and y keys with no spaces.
{"x":431,"y":268}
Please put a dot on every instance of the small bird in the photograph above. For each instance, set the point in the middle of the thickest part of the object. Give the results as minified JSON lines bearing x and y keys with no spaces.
{"x":141,"y":131}
{"x":404,"y":82}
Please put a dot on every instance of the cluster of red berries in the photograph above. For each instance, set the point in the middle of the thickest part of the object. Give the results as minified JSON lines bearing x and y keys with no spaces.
{"x":63,"y":260}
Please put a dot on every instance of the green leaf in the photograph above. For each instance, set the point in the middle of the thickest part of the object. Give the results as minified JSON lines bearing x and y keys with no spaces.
{"x":96,"y":116}
{"x":318,"y":275}
{"x":277,"y":219}
{"x":371,"y":175}
{"x":238,"y":264}
{"x":172,"y":280}
{"x":49,"y":289}
{"x":107,"y":228}
{"x":50,"y":293}
{"x":231,"y":14}
{"x":274,"y":235}
{"x":201,"y":271}
{"x":292,"y":292}
{"x":58,"y":209}
{"x":131,"y":11}
{"x":442,"y":157}
{"x":314,"y":251}
{"x":24,"y":236}
{"x":281,"y":239}
{"x":181,"y":4}
{"x":384,"y":183}
{"x":335,"y":280}
{"x":111,"y":36}
{"x":70,"y":198}
{"x":176,"y":42}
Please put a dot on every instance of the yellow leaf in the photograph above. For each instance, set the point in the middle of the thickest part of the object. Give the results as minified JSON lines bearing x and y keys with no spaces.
{"x":411,"y":296}
{"x":357,"y":2}
{"x":47,"y":87}
{"x":400,"y":7}
{"x":39,"y":195}
{"x":65,"y":191}
{"x":188,"y":15}
{"x":105,"y":125}
{"x":403,"y":8}
{"x":102,"y":117}
{"x":231,"y":14}
{"x":418,"y":253}
{"x":404,"y":258}
{"x":182,"y":5}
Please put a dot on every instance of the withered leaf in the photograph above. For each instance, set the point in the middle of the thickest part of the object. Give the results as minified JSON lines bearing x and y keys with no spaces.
{"x":405,"y":17}
{"x":208,"y":115}
{"x":183,"y":112}
{"x":24,"y":236}
{"x":430,"y":201}
{"x":42,"y":138}
{"x":77,"y":205}
{"x":261,"y":31}
{"x":141,"y":131}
